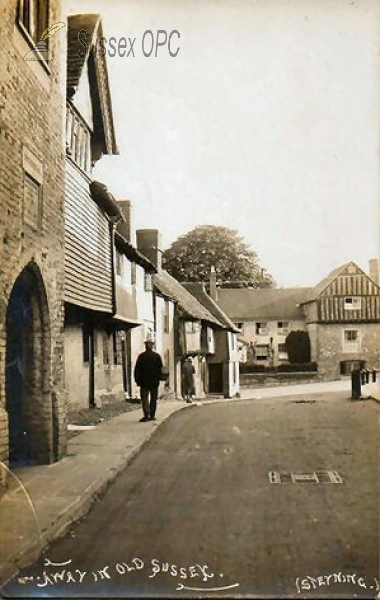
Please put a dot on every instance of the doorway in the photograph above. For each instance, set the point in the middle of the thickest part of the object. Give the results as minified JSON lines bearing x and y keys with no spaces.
{"x":27,"y":372}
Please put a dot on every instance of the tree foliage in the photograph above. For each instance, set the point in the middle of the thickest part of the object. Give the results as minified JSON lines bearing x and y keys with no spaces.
{"x":298,"y":346}
{"x":192,"y":255}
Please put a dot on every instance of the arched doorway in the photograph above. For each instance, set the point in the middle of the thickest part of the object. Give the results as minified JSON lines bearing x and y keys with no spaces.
{"x":28,"y":394}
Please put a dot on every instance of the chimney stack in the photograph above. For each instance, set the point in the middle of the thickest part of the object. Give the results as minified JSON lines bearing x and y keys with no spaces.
{"x":374,"y":270}
{"x":213,"y":292}
{"x":125,"y":228}
{"x":149,"y":244}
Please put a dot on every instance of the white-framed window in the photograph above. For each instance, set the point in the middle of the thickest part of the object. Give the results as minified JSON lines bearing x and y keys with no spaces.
{"x":262,"y":328}
{"x":240,"y":326}
{"x":282,"y":327}
{"x":353,"y":303}
{"x":191,"y":326}
{"x":351,"y":340}
{"x":262,"y":352}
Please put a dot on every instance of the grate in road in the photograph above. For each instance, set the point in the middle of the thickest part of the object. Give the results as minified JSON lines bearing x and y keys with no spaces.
{"x":304,"y":477}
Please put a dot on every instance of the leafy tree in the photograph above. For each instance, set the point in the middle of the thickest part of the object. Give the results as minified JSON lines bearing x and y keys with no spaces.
{"x":192,"y":255}
{"x":298,"y":346}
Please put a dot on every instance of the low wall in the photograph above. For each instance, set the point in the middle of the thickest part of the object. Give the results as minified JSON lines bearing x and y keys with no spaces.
{"x":252,"y":379}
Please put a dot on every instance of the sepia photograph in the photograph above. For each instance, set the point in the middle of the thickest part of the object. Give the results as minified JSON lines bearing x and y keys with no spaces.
{"x":190,"y":299}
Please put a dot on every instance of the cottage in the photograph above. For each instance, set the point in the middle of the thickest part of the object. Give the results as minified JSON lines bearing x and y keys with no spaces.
{"x":223,"y":362}
{"x":342,"y":316}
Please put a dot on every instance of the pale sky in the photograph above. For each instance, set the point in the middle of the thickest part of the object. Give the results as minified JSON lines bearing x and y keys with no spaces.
{"x":267,"y":121}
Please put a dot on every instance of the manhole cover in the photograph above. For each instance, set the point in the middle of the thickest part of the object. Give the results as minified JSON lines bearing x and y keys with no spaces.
{"x":304,"y":477}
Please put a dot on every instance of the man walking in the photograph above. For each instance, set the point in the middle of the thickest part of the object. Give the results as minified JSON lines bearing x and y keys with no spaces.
{"x":148,"y":372}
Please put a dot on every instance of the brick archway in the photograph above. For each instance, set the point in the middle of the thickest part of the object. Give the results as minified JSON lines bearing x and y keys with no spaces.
{"x":28,"y":371}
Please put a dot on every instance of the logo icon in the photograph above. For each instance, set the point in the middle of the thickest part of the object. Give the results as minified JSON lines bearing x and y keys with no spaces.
{"x":41,"y":51}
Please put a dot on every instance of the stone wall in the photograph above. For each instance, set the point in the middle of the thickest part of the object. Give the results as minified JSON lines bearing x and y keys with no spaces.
{"x":330,"y":348}
{"x":31,"y":158}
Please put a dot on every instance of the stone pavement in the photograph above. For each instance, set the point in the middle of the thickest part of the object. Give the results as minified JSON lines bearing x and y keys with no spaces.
{"x":41,"y":502}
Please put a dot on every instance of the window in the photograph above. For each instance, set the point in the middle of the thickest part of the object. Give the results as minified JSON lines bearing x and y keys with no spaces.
{"x":282,"y":352}
{"x":191,"y":326}
{"x":32,"y":202}
{"x":148,"y":284}
{"x":33,"y":16}
{"x":353,"y":303}
{"x":78,"y":139}
{"x":351,"y":340}
{"x":117,"y":347}
{"x":282,"y":327}
{"x":119,"y":263}
{"x":262,"y":328}
{"x":106,"y":349}
{"x":262,"y":352}
{"x":351,"y":335}
{"x":233,"y":341}
{"x":166,"y":317}
{"x":239,"y":325}
{"x":133,"y":273}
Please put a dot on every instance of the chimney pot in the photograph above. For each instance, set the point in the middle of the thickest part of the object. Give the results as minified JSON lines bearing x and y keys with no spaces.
{"x":149,"y":244}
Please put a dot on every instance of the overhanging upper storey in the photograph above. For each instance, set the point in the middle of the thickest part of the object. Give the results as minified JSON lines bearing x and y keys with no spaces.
{"x":88,"y":92}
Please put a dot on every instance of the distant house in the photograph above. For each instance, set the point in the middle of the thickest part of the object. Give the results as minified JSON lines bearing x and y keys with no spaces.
{"x":342,"y":316}
{"x":264,"y":318}
{"x":188,"y":325}
{"x":194,"y":331}
{"x":223,"y":363}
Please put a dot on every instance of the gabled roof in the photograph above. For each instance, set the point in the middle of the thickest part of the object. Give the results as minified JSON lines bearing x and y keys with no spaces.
{"x":78,"y":53}
{"x":334,"y":274}
{"x":198,"y":290}
{"x":189,"y":305}
{"x":270,"y":303}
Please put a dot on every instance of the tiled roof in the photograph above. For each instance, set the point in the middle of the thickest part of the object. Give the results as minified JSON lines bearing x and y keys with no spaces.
{"x":133,"y":254}
{"x":75,"y":48}
{"x":78,"y":53}
{"x":269,"y":303}
{"x":322,"y":285}
{"x":198,"y":290}
{"x":171,"y":288}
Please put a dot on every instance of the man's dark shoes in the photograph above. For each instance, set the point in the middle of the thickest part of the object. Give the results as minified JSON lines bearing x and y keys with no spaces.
{"x":144,"y":419}
{"x":153,"y":419}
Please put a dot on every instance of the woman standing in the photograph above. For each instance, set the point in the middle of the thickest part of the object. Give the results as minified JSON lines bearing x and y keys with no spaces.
{"x":188,"y":381}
